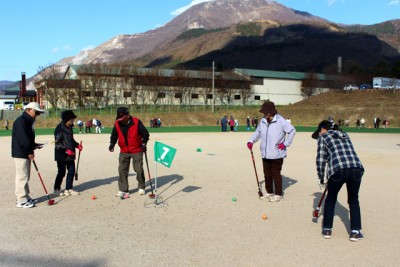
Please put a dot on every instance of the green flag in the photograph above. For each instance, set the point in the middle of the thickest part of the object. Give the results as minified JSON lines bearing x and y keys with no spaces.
{"x":164,"y":154}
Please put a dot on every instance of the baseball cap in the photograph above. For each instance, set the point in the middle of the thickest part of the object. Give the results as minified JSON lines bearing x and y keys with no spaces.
{"x":122,"y":111}
{"x":322,"y":125}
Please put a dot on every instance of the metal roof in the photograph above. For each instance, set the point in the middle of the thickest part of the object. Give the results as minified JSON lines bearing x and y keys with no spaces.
{"x":119,"y":71}
{"x":287,"y":75}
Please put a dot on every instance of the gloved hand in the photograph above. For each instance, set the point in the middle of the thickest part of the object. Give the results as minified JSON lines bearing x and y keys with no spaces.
{"x":111,"y":148}
{"x":281,"y":146}
{"x":70,"y":152}
{"x":143,"y":148}
{"x":250,"y":145}
{"x":321,"y":183}
{"x":80,"y":147}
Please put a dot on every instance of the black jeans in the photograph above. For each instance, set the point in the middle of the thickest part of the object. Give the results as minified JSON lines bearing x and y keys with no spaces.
{"x":352,"y":179}
{"x":62,"y":167}
{"x":272,"y":174}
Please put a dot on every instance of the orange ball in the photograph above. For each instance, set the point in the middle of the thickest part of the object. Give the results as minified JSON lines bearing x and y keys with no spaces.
{"x":93,"y":197}
{"x":264,"y":217}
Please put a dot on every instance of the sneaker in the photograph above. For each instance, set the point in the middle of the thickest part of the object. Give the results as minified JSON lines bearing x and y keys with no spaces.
{"x":33,"y":200}
{"x":326,"y":233}
{"x":267,"y":196}
{"x":71,"y":192}
{"x":25,"y":205}
{"x":356,"y":235}
{"x":58,"y":193}
{"x":142,"y":192}
{"x":121,"y":194}
{"x":276,"y":198}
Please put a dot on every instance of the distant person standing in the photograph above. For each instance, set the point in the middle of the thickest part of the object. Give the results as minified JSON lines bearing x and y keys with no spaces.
{"x":223,"y":124}
{"x":276,"y":134}
{"x":6,"y":123}
{"x":231,"y":123}
{"x":79,"y":122}
{"x":362,"y":121}
{"x":336,"y":153}
{"x":22,"y":150}
{"x":248,"y":123}
{"x":88,"y":126}
{"x":98,"y":126}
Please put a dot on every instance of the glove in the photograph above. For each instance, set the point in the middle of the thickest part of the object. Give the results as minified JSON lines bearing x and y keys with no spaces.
{"x":250,"y":145}
{"x":281,"y":146}
{"x":70,"y":152}
{"x":143,"y":148}
{"x":111,"y":148}
{"x":321,"y":183}
{"x":80,"y":147}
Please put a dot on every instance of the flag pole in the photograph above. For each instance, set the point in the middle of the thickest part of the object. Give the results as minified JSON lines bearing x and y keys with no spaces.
{"x":155,"y":185}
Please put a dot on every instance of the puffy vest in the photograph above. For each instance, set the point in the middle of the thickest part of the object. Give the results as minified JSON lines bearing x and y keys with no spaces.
{"x":133,"y":141}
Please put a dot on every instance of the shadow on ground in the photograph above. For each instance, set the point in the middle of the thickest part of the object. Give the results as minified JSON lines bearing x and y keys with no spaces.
{"x":18,"y":259}
{"x":340,"y":211}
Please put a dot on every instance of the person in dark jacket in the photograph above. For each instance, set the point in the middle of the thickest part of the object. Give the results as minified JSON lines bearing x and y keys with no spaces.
{"x":64,"y":153}
{"x":132,"y":137}
{"x":22,"y":150}
{"x":336,"y":154}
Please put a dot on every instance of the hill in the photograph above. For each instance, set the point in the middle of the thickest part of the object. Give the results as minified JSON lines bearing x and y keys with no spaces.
{"x":338,"y":104}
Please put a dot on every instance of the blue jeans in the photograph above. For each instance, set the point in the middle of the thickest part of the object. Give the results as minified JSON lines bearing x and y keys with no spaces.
{"x":62,"y":167}
{"x":352,"y":179}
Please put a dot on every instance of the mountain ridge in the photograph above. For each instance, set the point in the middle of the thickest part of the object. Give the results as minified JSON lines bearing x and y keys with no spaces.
{"x":162,"y":48}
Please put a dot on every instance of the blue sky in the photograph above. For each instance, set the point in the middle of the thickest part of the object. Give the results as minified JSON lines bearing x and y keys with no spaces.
{"x":37,"y":33}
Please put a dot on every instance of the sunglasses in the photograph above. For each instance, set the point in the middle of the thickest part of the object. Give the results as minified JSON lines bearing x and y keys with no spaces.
{"x":37,"y":113}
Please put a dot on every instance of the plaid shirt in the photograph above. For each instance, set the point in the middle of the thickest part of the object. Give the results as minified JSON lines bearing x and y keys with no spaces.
{"x":336,"y":150}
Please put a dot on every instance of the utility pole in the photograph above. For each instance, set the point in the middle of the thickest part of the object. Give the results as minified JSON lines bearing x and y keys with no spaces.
{"x":213,"y":95}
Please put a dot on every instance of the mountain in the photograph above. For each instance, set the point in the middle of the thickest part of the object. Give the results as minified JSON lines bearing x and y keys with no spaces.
{"x":207,"y":15}
{"x":294,"y":47}
{"x":7,"y":84}
{"x":257,"y":34}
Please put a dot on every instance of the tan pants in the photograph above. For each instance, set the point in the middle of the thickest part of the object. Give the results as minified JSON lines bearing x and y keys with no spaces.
{"x":22,"y":176}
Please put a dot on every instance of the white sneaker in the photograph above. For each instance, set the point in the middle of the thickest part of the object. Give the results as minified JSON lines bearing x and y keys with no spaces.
{"x":142,"y":192}
{"x":25,"y":205}
{"x":276,"y":198}
{"x":58,"y":193}
{"x":121,"y":194}
{"x":267,"y":196}
{"x":71,"y":192}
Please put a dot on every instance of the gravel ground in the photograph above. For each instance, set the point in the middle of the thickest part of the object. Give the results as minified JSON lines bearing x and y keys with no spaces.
{"x":195,"y":222}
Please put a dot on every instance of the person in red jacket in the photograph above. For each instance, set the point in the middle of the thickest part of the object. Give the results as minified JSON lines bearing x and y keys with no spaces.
{"x":132,"y":137}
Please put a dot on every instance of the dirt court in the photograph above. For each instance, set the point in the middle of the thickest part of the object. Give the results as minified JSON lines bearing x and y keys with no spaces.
{"x":196,"y":222}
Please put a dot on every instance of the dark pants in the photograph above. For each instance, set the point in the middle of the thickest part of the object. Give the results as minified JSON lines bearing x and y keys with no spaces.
{"x":352,"y":179}
{"x":62,"y":167}
{"x":272,"y":174}
{"x":123,"y":169}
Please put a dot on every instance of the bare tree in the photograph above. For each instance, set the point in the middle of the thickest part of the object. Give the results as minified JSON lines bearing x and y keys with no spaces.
{"x":309,"y":84}
{"x":47,"y":80}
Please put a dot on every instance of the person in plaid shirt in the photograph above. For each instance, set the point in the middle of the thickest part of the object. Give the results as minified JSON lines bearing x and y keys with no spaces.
{"x":336,"y":154}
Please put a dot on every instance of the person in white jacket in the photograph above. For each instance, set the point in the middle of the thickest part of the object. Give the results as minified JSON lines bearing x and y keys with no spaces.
{"x":276,"y":135}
